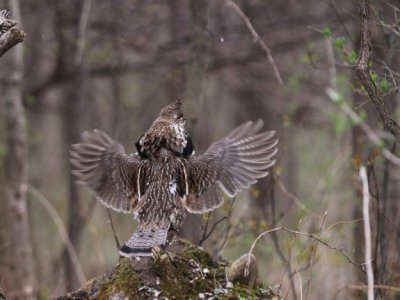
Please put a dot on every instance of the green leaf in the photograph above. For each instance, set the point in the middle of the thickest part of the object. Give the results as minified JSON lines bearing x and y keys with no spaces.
{"x":327,"y":32}
{"x":340,"y":123}
{"x":339,"y":42}
{"x":352,"y":57}
{"x":363,"y":115}
{"x":374,"y":76}
{"x":305,"y":58}
{"x":384,"y":85}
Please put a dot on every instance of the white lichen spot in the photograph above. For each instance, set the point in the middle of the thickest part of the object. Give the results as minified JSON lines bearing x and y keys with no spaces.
{"x":206,"y":271}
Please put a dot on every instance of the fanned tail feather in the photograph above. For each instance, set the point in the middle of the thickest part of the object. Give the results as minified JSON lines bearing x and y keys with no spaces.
{"x":143,"y":240}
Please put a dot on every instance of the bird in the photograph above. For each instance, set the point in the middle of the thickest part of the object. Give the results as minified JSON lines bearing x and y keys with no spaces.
{"x":164,"y":180}
{"x":168,"y":132}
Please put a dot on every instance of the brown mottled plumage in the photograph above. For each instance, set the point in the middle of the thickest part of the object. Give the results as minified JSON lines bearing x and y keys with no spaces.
{"x":167,"y":132}
{"x":163,"y":181}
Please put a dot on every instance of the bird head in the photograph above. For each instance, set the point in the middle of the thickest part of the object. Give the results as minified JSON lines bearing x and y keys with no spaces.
{"x":173,"y":113}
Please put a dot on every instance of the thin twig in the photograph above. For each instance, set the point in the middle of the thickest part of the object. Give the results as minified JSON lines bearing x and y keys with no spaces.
{"x":376,"y":286}
{"x":367,"y":232}
{"x":206,"y":236}
{"x":61,"y":230}
{"x":246,"y":271}
{"x":113,"y":229}
{"x":332,"y":68}
{"x":256,"y":38}
{"x":292,"y":274}
{"x":364,"y":287}
{"x":290,"y":254}
{"x":83,"y":22}
{"x":228,"y":227}
{"x":296,"y":200}
{"x":206,"y":225}
{"x":313,"y":254}
{"x":274,"y":237}
{"x":340,"y":223}
{"x":336,"y":98}
{"x":298,"y":270}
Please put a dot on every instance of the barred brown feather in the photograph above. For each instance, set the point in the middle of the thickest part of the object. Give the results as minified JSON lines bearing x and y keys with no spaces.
{"x":229,"y":165}
{"x":102,"y":165}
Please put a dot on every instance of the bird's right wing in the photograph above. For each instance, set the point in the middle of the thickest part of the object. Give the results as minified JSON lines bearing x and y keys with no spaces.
{"x":102,"y":165}
{"x":229,"y":165}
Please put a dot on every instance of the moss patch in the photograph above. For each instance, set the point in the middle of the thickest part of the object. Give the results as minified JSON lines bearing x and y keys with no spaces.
{"x":181,"y":271}
{"x":123,"y":282}
{"x":190,"y":273}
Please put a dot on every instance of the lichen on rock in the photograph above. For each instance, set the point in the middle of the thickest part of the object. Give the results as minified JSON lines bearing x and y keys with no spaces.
{"x":180,"y":271}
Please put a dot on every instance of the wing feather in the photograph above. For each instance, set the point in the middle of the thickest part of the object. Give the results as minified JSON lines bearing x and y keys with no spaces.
{"x":102,"y":165}
{"x":230,"y":165}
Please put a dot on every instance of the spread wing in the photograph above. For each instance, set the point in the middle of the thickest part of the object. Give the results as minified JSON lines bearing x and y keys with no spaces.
{"x":229,"y":165}
{"x":102,"y":165}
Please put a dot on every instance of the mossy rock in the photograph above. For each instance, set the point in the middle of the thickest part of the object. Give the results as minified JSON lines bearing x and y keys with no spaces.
{"x":180,"y":271}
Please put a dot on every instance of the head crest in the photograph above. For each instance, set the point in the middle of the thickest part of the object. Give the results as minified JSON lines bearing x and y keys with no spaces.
{"x":174,"y":108}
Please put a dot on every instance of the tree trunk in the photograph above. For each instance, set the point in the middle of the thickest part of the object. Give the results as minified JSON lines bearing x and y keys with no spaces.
{"x":71,"y":58}
{"x":16,"y":260}
{"x":71,"y":111}
{"x":194,"y":96}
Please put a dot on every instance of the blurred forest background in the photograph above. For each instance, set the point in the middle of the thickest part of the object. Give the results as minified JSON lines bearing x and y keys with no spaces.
{"x":112,"y":65}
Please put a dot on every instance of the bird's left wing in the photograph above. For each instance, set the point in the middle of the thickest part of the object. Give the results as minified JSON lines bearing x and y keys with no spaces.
{"x":102,"y":165}
{"x":229,"y":165}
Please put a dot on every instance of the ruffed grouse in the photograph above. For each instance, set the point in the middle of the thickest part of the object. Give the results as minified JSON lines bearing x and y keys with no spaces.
{"x":165,"y":180}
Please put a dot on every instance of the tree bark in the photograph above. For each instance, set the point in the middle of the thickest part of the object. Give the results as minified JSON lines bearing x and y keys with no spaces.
{"x":9,"y":34}
{"x":194,"y":96}
{"x":16,"y":259}
{"x":374,"y":43}
{"x":71,"y":58}
{"x":364,"y":73}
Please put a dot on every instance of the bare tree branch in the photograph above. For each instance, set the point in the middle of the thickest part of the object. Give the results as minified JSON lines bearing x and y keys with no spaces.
{"x":363,"y":72}
{"x":9,"y":34}
{"x":374,"y":138}
{"x":257,"y":38}
{"x":113,"y":230}
{"x":310,"y":235}
{"x":61,"y":230}
{"x":313,"y":254}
